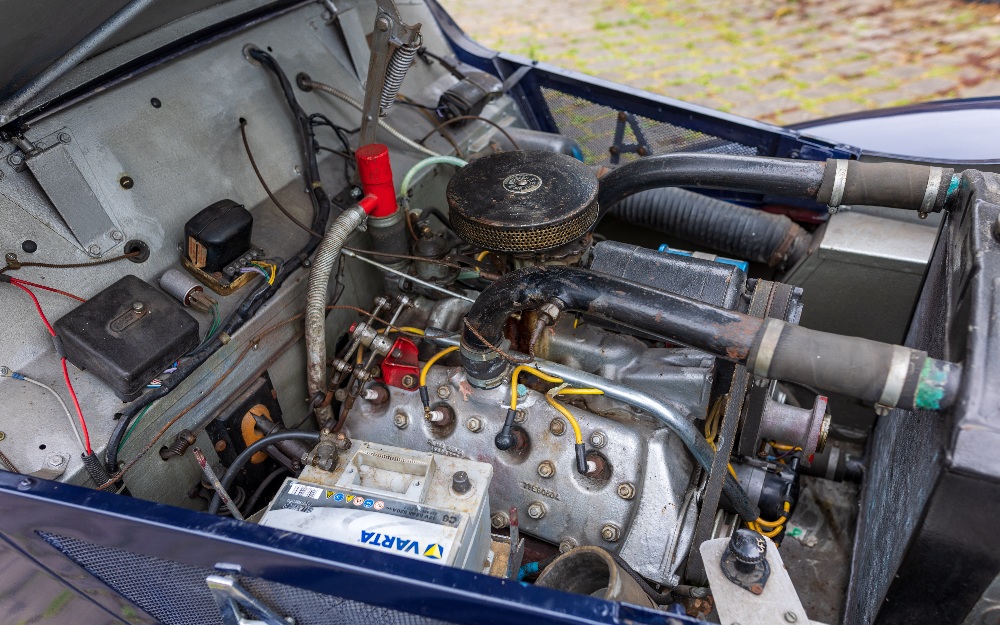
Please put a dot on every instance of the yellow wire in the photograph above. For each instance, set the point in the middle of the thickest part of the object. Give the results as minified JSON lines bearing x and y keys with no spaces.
{"x":569,"y":417}
{"x":433,"y":359}
{"x":781,"y":447}
{"x":527,"y":369}
{"x":481,"y":255}
{"x":580,"y":391}
{"x":711,"y":431}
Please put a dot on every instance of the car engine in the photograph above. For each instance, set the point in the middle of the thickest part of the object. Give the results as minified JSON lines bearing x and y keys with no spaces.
{"x":239,"y":282}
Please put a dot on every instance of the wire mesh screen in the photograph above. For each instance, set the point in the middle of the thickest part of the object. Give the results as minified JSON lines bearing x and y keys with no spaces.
{"x":594,"y":126}
{"x":176,"y":594}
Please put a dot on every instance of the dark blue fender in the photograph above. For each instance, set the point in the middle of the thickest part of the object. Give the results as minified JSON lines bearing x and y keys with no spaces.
{"x":124,"y":560}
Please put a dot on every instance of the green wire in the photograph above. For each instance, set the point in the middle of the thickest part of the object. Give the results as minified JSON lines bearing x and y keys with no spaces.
{"x":132,"y":427}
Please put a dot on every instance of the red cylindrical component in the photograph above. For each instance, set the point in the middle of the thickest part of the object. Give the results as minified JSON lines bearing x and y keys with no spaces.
{"x":376,"y":177}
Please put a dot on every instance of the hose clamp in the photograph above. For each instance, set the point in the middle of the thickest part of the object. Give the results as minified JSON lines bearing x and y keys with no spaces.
{"x":768,"y":344}
{"x":839,"y":184}
{"x":895,"y":379}
{"x":934,"y":175}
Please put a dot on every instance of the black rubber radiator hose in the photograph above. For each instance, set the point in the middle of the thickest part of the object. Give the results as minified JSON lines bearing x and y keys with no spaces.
{"x":734,"y":230}
{"x":871,"y":371}
{"x":835,"y":182}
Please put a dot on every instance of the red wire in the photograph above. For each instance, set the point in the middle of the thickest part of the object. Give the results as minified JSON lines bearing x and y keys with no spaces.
{"x":38,"y":306}
{"x":69,"y":384}
{"x":47,"y":288}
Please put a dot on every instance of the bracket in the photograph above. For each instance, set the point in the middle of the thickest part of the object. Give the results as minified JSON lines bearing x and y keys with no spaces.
{"x":618,"y":145}
{"x":58,"y":168}
{"x":235,"y":603}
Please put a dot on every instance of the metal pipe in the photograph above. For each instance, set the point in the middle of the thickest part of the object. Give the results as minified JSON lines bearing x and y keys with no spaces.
{"x":12,"y":105}
{"x":387,"y":269}
{"x":666,"y":413}
{"x":220,"y":491}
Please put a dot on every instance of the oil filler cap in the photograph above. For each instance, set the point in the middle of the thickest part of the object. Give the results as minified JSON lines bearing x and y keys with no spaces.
{"x":523,"y":202}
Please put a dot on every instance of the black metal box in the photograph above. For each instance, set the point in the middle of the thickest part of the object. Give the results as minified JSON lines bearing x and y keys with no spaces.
{"x":127,"y":334}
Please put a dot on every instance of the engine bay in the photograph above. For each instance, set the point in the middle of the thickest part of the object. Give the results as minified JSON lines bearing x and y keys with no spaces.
{"x":359,"y":297}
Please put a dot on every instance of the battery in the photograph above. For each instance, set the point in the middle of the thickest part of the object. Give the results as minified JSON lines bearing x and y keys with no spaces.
{"x":412,"y":504}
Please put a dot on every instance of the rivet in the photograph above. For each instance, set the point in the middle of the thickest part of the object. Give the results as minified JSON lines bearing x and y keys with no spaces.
{"x":126,"y":182}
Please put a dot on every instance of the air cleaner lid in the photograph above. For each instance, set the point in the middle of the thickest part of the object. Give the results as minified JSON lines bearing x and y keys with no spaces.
{"x":523,"y":201}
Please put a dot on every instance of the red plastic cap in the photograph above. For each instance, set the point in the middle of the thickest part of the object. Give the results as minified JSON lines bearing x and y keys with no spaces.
{"x":376,"y":178}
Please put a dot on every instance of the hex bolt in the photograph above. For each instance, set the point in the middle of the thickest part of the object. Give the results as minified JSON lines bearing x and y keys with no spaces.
{"x":475,"y":424}
{"x":401,"y":420}
{"x":546,"y":469}
{"x":791,"y":617}
{"x":444,"y":392}
{"x":138,"y":307}
{"x":611,"y":533}
{"x":521,"y":416}
{"x":567,"y":544}
{"x":15,"y":160}
{"x":117,"y":235}
{"x":536,"y":510}
{"x":499,"y":520}
{"x":598,"y":439}
{"x":408,"y":381}
{"x":626,"y":490}
{"x":64,"y":137}
{"x":94,"y":250}
{"x":557,"y":427}
{"x":56,"y":460}
{"x":382,"y":24}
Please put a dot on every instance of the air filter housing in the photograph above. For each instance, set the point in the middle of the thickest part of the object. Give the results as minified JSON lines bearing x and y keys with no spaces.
{"x":523,"y":202}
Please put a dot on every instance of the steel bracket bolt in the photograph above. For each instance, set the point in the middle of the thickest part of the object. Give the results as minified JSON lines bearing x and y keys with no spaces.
{"x":536,"y":510}
{"x":401,"y":420}
{"x":567,"y":544}
{"x":499,"y":520}
{"x":64,"y":137}
{"x":626,"y":490}
{"x":444,"y":392}
{"x":598,"y":439}
{"x":475,"y":424}
{"x":408,"y":381}
{"x":117,"y":235}
{"x":94,"y":250}
{"x":546,"y":469}
{"x":611,"y":533}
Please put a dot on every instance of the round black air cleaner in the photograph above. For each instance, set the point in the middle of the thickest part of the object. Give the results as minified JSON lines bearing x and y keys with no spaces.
{"x":519,"y":202}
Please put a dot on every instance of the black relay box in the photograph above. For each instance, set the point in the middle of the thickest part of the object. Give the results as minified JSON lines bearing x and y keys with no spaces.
{"x":127,"y":334}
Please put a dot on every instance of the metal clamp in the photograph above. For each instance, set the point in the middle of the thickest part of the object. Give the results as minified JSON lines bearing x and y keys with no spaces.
{"x":934,"y":175}
{"x":839,"y":183}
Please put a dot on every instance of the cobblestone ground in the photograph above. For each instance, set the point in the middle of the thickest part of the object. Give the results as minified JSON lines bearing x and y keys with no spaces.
{"x":782,"y":62}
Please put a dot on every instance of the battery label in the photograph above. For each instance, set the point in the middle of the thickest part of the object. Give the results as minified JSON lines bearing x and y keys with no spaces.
{"x":398,"y":527}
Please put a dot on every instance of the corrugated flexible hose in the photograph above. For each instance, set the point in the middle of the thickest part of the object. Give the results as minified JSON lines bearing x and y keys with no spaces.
{"x":316,"y":300}
{"x":734,"y":230}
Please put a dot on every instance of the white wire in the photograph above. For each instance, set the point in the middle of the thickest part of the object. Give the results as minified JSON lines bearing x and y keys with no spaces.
{"x":72,"y":421}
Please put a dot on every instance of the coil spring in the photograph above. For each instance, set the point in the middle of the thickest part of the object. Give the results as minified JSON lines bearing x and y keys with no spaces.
{"x":399,"y":63}
{"x":185,"y":438}
{"x":96,"y":469}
